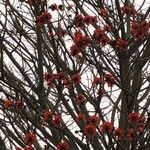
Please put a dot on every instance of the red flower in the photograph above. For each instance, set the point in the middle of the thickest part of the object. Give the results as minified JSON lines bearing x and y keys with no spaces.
{"x":66,"y":83}
{"x":103,"y":13}
{"x":18,"y":104}
{"x":81,"y":41}
{"x":60,"y":31}
{"x":94,"y":120}
{"x":90,"y":19}
{"x":75,"y":50}
{"x":76,"y":78}
{"x":43,"y":18}
{"x":79,"y":21}
{"x":28,"y":148}
{"x":8,"y":103}
{"x":107,"y":127}
{"x":131,"y":134}
{"x":57,"y":121}
{"x":53,"y":7}
{"x":90,"y":130}
{"x":80,"y":117}
{"x":63,"y":146}
{"x":100,"y":37}
{"x":30,"y":138}
{"x":134,"y":117}
{"x":110,"y":80}
{"x":141,"y":127}
{"x":128,"y":9}
{"x":61,"y":76}
{"x":121,"y":44}
{"x":140,"y":29}
{"x":80,"y":99}
{"x":61,"y":7}
{"x":47,"y":116}
{"x":119,"y":133}
{"x":18,"y":148}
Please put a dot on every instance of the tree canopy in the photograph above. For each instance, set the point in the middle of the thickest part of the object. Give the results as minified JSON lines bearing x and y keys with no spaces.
{"x":74,"y":75}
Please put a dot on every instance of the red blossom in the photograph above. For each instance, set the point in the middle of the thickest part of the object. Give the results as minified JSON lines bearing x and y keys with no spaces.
{"x":74,"y":50}
{"x":131,"y":134}
{"x":141,"y":127}
{"x":80,"y":99}
{"x":110,"y":79}
{"x":18,"y":148}
{"x":122,"y":44}
{"x":63,"y":145}
{"x":100,"y":37}
{"x":43,"y":18}
{"x":8,"y":103}
{"x":129,"y":9}
{"x":60,"y":31}
{"x":140,"y":29}
{"x":76,"y":78}
{"x":28,"y":148}
{"x":81,"y":41}
{"x":47,"y":116}
{"x":107,"y":127}
{"x":90,"y":19}
{"x":18,"y":104}
{"x":90,"y":130}
{"x":79,"y":21}
{"x":80,"y":117}
{"x":119,"y":133}
{"x":94,"y":120}
{"x":61,"y":7}
{"x":103,"y":13}
{"x":30,"y":138}
{"x":134,"y":117}
{"x":57,"y":121}
{"x":53,"y":7}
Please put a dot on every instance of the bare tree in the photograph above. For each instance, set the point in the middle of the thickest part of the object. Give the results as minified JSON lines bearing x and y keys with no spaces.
{"x":74,"y":75}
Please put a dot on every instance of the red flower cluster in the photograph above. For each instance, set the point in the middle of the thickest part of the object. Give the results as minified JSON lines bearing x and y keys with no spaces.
{"x":30,"y":138}
{"x":57,"y":121}
{"x":110,"y":79}
{"x":128,"y":9}
{"x":80,"y":117}
{"x":43,"y":18}
{"x":90,"y":130}
{"x":94,"y":120}
{"x":122,"y":44}
{"x":89,"y":20}
{"x":80,"y":21}
{"x":134,"y":117}
{"x":63,"y":145}
{"x":100,"y":37}
{"x":60,"y":32}
{"x":28,"y":148}
{"x":76,"y":78}
{"x":8,"y":103}
{"x":140,"y":29}
{"x":131,"y":134}
{"x":56,"y":7}
{"x":50,"y":78}
{"x":80,"y":43}
{"x":103,"y":13}
{"x":18,"y":148}
{"x":119,"y":133}
{"x":47,"y":116}
{"x":80,"y":99}
{"x":107,"y":127}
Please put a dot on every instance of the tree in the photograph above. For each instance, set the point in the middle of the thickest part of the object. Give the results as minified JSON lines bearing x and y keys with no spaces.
{"x":75,"y":75}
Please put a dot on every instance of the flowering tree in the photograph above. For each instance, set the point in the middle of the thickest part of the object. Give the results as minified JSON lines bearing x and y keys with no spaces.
{"x":74,"y":75}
